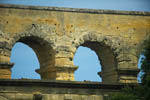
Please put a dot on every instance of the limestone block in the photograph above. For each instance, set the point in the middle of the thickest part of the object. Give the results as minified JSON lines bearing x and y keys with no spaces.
{"x":63,"y":62}
{"x":5,"y":73}
{"x":128,"y":79}
{"x":4,"y":59}
{"x":127,"y":65}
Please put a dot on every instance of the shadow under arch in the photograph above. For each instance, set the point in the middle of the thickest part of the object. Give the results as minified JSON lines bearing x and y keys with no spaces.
{"x":43,"y":50}
{"x":103,"y":48}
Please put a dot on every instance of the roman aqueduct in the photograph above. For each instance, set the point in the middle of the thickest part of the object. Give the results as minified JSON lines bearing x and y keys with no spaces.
{"x":54,"y":34}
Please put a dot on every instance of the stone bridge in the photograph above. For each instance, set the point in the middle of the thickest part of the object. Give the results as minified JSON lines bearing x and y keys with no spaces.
{"x":54,"y":34}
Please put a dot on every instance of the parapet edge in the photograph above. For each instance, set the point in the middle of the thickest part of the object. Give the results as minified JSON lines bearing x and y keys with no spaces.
{"x":76,"y":10}
{"x":62,"y":84}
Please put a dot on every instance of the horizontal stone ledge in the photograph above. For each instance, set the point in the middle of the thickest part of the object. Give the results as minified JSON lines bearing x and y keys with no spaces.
{"x":8,"y":91}
{"x":6,"y":65}
{"x":57,"y":68}
{"x":4,"y":45}
{"x":128,"y":71}
{"x":76,"y":10}
{"x":104,"y":74}
{"x":62,"y":84}
{"x":128,"y":78}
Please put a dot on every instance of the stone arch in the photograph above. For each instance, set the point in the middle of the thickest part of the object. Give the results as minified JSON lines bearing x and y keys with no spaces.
{"x":53,"y":64}
{"x":42,"y":47}
{"x":104,"y":48}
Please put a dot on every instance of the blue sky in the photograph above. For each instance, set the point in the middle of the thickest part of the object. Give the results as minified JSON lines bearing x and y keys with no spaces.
{"x":25,"y":59}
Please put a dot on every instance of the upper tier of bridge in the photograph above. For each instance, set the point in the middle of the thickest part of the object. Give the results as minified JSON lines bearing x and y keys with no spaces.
{"x":77,"y":10}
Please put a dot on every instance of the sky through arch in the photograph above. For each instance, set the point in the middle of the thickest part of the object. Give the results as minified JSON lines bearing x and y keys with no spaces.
{"x":26,"y":62}
{"x":88,"y":68}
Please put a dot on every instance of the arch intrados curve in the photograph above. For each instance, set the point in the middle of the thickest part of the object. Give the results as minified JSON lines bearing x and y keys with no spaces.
{"x":93,"y":37}
{"x":42,"y":46}
{"x":98,"y":39}
{"x":103,"y":46}
{"x":20,"y":37}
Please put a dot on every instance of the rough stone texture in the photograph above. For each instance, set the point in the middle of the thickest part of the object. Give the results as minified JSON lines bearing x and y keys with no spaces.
{"x":5,"y":70}
{"x":55,"y":90}
{"x":54,"y":34}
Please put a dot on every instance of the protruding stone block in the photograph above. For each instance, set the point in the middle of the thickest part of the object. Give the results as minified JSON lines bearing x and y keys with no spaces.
{"x":128,"y":75}
{"x":58,"y":73}
{"x":5,"y":70}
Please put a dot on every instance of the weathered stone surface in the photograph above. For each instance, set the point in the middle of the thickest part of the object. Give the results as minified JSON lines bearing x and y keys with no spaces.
{"x":55,"y":90}
{"x":3,"y":98}
{"x":56,"y":33}
{"x":5,"y":70}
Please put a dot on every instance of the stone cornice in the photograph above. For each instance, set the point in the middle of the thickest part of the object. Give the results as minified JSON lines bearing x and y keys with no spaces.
{"x":6,"y":65}
{"x":61,"y":84}
{"x":128,"y":71}
{"x":76,"y":10}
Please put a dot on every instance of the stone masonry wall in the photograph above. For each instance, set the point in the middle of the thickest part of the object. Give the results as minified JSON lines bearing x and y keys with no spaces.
{"x":56,"y":33}
{"x":54,"y":90}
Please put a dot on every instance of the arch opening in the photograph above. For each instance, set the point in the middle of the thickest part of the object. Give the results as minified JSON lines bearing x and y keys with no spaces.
{"x":26,"y":62}
{"x":89,"y":65}
{"x":107,"y":60}
{"x":43,"y":51}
